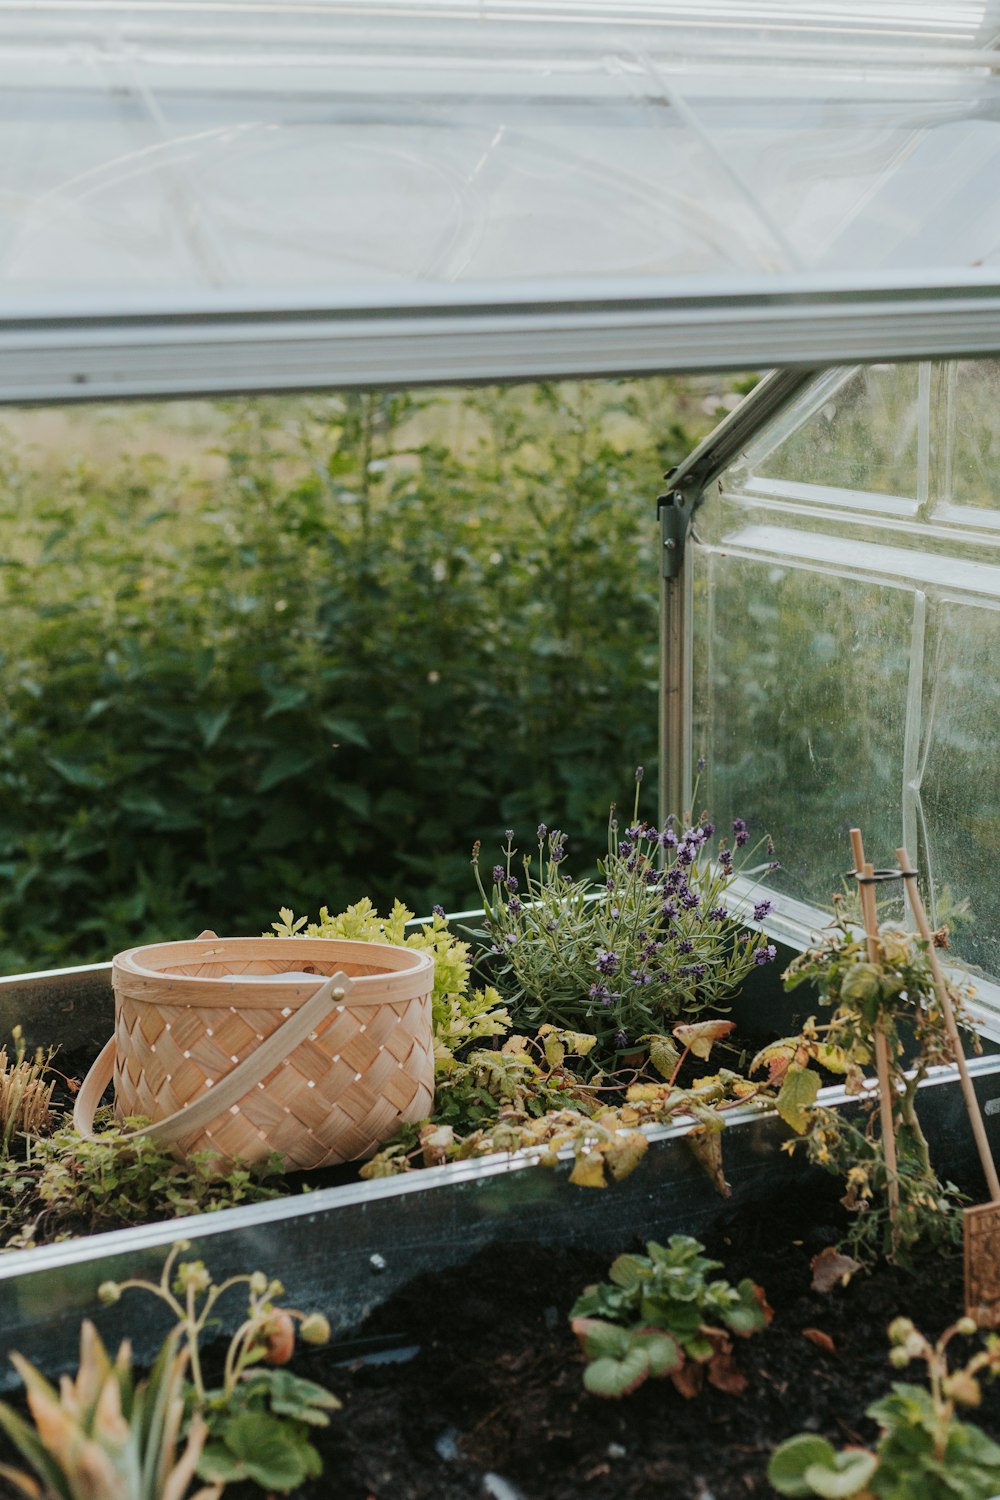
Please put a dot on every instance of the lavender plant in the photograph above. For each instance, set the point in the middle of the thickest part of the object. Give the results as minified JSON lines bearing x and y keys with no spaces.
{"x":652,"y":940}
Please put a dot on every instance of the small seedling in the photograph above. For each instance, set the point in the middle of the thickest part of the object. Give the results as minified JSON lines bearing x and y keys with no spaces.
{"x":924,"y":1452}
{"x":258,"y":1422}
{"x":661,"y":1316}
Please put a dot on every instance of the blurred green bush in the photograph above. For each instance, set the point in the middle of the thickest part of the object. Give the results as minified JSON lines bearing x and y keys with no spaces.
{"x":318,"y":653}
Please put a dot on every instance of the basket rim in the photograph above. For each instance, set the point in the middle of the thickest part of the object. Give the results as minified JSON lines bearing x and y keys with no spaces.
{"x":406,"y":961}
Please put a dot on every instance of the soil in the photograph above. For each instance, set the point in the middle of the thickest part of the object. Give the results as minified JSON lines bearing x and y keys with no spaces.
{"x":493,"y":1403}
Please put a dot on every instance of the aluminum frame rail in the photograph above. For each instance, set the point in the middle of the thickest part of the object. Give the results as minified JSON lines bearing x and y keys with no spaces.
{"x":485,"y":336}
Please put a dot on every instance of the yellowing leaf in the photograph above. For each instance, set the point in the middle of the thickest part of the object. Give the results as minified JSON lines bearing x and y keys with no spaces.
{"x":662,"y":1054}
{"x":624,"y":1153}
{"x":775,"y":1053}
{"x":798,"y":1095}
{"x":645,"y":1093}
{"x":588,"y":1170}
{"x":706,"y":1146}
{"x":701,"y":1036}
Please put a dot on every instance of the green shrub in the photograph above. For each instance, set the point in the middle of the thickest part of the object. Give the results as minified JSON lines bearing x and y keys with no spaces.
{"x":310,"y":660}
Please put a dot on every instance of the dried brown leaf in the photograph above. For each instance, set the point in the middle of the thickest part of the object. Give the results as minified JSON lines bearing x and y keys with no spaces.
{"x":831,"y":1269}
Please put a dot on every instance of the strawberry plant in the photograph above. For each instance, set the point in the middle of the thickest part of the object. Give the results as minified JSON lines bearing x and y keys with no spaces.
{"x":660,"y":1316}
{"x":924,"y":1451}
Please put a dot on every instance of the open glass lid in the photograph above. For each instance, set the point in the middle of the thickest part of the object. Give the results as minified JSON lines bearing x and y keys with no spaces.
{"x":508,"y":189}
{"x":847,"y":637}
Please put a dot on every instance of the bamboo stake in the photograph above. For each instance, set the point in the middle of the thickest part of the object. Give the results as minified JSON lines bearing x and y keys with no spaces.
{"x":971,"y":1102}
{"x":870,"y":917}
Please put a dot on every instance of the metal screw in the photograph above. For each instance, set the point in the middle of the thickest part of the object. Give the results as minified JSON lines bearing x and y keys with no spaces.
{"x":377,"y":1263}
{"x":670,"y":544}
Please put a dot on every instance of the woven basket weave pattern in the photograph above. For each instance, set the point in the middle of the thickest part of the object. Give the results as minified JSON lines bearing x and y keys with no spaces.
{"x":367,"y":1068}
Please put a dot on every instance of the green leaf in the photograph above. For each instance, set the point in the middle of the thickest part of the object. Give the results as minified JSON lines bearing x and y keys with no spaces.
{"x":629,"y":1271}
{"x":77,"y":773}
{"x":293,"y":695}
{"x":346,"y":731}
{"x":797,"y":1096}
{"x":283,"y":765}
{"x":268,"y":1450}
{"x":212,"y":724}
{"x":787,"y":1470}
{"x":845,"y":1476}
{"x":664,"y":1352}
{"x":614,"y":1378}
{"x":355,"y":798}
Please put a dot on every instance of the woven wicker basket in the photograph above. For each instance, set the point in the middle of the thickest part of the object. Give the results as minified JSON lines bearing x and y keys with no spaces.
{"x":223,"y":1054}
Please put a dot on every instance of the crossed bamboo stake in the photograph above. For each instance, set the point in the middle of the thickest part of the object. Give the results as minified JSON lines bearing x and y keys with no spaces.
{"x":864,"y":874}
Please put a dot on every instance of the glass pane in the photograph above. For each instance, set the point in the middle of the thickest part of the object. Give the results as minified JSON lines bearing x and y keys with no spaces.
{"x":800,"y":710}
{"x":865,"y":437}
{"x":974,"y":390}
{"x":959,"y":785}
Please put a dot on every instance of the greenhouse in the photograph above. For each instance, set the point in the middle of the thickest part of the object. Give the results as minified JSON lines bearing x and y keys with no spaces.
{"x":416,"y":417}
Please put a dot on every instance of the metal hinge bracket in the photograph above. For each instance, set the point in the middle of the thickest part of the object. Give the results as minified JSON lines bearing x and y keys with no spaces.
{"x":674,"y":509}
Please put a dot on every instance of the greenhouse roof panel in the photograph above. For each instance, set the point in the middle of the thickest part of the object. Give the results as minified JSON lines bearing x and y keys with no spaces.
{"x":263,"y":158}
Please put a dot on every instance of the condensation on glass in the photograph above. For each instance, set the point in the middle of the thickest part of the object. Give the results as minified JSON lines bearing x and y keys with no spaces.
{"x":847,"y":636}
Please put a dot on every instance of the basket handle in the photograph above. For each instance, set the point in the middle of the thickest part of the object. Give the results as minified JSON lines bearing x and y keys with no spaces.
{"x":231,"y":1088}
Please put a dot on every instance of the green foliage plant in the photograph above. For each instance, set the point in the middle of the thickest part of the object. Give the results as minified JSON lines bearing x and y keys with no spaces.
{"x":258,"y":1422}
{"x":898,"y":994}
{"x":104,"y":1435}
{"x":63,"y":1186}
{"x":652,"y":941}
{"x":198,"y":599}
{"x":660,"y":1316}
{"x":924,"y":1451}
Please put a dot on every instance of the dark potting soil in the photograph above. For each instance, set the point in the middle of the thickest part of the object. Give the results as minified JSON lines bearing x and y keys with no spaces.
{"x":493,"y":1403}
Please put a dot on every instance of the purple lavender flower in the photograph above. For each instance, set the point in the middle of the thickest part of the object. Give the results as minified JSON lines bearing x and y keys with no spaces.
{"x":499,"y":874}
{"x":510,"y":938}
{"x":621,"y":1039}
{"x":669,"y":910}
{"x":668,"y":838}
{"x":689,"y":900}
{"x":726,"y":860}
{"x":625,"y":847}
{"x":765,"y":955}
{"x":694,"y":971}
{"x":740,"y":830}
{"x":761,"y":910}
{"x":639,"y":773}
{"x":557,"y":846}
{"x":513,"y":906}
{"x":600,"y":992}
{"x":512,"y":883}
{"x":685,"y":946}
{"x":437,"y":911}
{"x":611,"y":884}
{"x":541,"y":831}
{"x":607,"y":961}
{"x":508,"y":834}
{"x":718,"y":914}
{"x":774,"y":865}
{"x":708,"y":829}
{"x":702,"y":763}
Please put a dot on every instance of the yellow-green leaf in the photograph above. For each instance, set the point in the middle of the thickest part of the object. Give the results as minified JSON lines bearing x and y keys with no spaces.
{"x":797,"y":1096}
